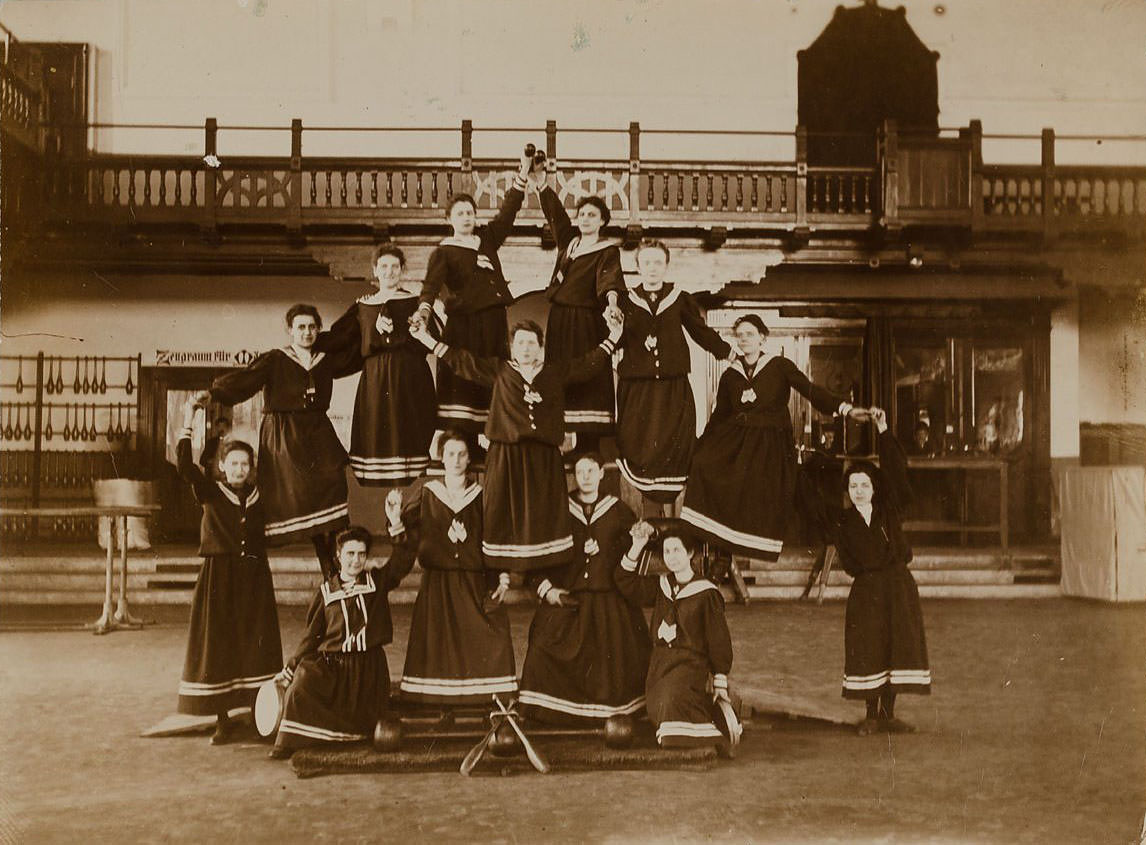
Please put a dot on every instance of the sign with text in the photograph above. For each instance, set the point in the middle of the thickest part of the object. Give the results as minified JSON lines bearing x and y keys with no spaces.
{"x":208,"y":358}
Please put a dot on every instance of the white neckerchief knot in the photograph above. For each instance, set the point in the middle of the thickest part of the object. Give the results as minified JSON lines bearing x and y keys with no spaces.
{"x":457,"y":532}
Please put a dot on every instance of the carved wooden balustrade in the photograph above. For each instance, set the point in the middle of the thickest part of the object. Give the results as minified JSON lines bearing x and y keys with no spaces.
{"x":918,"y":180}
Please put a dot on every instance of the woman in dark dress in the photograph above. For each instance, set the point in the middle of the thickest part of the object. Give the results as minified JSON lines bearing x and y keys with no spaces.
{"x":526,"y":514}
{"x":465,"y":273}
{"x":233,"y":644}
{"x":588,"y":645}
{"x":460,"y":651}
{"x":656,"y":412}
{"x":302,"y":463}
{"x":338,"y":681}
{"x":692,"y":648}
{"x":742,"y":482}
{"x":885,"y":649}
{"x":587,"y":279}
{"x":395,"y":410}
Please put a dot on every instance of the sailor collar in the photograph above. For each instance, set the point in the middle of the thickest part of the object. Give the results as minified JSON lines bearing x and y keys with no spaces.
{"x":381,"y":297}
{"x":692,"y":588}
{"x":442,"y":493}
{"x":668,"y":299}
{"x":575,"y":250}
{"x":332,"y":589}
{"x":528,"y":379}
{"x":233,"y":497}
{"x":314,"y":359}
{"x":600,"y":508}
{"x":740,"y":366}
{"x":471,"y":242}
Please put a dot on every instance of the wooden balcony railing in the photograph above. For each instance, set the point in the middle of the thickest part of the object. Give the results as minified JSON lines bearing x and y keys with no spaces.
{"x":918,"y":180}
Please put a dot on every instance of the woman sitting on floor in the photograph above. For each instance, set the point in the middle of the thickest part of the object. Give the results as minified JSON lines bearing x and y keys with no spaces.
{"x":691,"y":643}
{"x":338,"y":679}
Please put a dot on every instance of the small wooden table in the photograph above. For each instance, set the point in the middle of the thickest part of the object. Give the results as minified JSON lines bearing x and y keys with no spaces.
{"x":965,"y":466}
{"x":121,"y":617}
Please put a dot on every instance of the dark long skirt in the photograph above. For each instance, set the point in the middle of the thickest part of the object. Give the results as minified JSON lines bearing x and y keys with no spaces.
{"x":884,"y":642}
{"x":656,"y":432}
{"x":302,"y":476}
{"x":335,"y":697}
{"x":395,"y":413}
{"x":462,"y":404}
{"x":678,"y":700}
{"x":233,"y":643}
{"x":570,"y":333}
{"x":585,"y":663}
{"x":459,"y":652}
{"x":741,"y":488}
{"x":526,"y":517}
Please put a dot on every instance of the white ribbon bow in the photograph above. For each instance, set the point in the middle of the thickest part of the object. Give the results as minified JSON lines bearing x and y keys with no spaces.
{"x":651,"y":342}
{"x":748,"y":396}
{"x":591,"y":547}
{"x":484,"y":262}
{"x":384,"y":324}
{"x":532,"y":396}
{"x":457,"y":532}
{"x":666,"y":631}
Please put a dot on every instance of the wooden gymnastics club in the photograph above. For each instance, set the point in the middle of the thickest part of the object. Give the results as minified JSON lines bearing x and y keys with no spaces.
{"x":536,"y":759}
{"x":475,"y":753}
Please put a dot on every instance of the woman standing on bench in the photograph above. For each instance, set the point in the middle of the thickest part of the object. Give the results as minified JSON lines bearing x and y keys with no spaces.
{"x":302,"y":463}
{"x":395,"y":408}
{"x":587,"y":281}
{"x":741,"y":487}
{"x":465,"y":273}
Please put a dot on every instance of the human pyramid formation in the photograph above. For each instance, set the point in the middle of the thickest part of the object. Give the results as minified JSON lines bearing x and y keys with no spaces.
{"x":591,"y":656}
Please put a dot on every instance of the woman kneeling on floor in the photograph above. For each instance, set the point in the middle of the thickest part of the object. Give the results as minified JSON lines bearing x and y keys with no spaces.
{"x":339,"y":681}
{"x":691,"y":643}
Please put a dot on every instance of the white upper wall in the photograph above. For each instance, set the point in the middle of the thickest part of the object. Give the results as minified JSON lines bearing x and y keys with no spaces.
{"x":1020,"y":65}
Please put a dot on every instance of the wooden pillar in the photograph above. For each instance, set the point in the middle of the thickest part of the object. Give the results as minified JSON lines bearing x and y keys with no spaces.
{"x":888,"y":161}
{"x":634,"y":230}
{"x":974,"y":133}
{"x":294,"y":209}
{"x":801,"y":230}
{"x":210,"y":174}
{"x":1050,"y":228}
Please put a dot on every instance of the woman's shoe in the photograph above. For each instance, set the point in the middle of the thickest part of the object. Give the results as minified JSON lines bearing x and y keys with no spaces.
{"x":867,"y":727}
{"x":280,"y":753}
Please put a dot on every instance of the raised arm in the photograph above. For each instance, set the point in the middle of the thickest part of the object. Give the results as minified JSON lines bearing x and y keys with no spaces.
{"x":401,"y":561}
{"x":822,"y":400}
{"x":557,"y":217}
{"x":706,"y":337}
{"x":461,"y":361}
{"x":498,"y":229}
{"x":637,"y":589}
{"x":240,"y":385}
{"x":892,"y":463}
{"x":189,"y":471}
{"x":596,"y":359}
